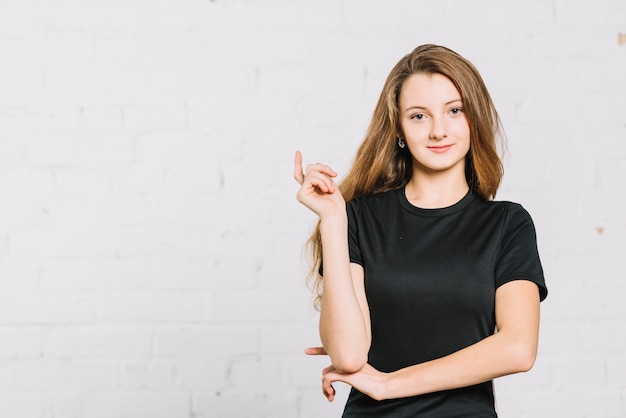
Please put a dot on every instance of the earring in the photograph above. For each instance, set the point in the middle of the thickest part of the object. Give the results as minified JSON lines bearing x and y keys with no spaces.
{"x":401,"y":142}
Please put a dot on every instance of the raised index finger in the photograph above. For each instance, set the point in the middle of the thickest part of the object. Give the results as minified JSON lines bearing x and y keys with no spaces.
{"x":298,"y":174}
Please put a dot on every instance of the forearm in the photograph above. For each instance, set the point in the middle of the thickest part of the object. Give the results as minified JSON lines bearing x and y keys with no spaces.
{"x":513,"y":349}
{"x":343,"y":331}
{"x":495,"y":356}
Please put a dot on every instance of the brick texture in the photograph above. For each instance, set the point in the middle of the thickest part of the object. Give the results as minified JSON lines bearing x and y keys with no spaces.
{"x":150,"y":242}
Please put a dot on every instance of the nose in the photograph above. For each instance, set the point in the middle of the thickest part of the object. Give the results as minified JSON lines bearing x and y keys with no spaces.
{"x":438,"y":129}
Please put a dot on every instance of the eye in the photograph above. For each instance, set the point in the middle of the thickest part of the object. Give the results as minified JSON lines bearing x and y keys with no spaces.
{"x":418,"y":116}
{"x":456,"y":110}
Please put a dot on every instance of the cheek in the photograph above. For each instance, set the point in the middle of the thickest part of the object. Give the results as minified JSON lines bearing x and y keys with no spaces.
{"x":467,"y":143}
{"x":462,"y":131}
{"x":405,"y":126}
{"x":415,"y":131}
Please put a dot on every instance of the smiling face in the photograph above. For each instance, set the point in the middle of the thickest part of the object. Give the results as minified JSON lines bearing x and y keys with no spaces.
{"x":433,"y":124}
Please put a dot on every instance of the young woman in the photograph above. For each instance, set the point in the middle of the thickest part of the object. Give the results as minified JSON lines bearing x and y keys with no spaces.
{"x":429,"y":288}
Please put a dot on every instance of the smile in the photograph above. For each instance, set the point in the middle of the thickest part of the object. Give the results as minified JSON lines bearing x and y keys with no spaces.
{"x":440,"y":148}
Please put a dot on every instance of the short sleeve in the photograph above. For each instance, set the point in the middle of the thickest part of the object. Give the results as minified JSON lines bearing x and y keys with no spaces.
{"x":518,"y":256}
{"x":354,"y":247}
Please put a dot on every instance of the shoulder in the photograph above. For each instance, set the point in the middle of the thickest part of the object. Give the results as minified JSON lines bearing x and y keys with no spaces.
{"x":512,"y":221}
{"x":504,"y":216}
{"x":505,"y":208}
{"x":375,"y":201}
{"x":374,"y":208}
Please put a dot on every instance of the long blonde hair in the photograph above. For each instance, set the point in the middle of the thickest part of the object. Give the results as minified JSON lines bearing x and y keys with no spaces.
{"x":380,"y":165}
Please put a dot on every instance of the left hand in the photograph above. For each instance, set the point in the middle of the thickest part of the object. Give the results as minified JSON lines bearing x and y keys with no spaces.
{"x":368,"y":380}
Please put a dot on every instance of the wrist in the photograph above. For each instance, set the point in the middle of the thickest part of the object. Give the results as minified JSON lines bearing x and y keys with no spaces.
{"x":386,"y":391}
{"x":338,"y":219}
{"x":396,"y":385}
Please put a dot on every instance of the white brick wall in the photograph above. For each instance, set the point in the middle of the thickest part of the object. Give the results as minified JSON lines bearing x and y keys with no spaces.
{"x":150,"y":241}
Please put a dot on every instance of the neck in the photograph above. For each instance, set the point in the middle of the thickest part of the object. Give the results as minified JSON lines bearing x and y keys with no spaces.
{"x":435,"y":191}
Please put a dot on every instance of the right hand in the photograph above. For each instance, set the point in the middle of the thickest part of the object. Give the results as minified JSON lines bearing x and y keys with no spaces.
{"x":318,"y":190}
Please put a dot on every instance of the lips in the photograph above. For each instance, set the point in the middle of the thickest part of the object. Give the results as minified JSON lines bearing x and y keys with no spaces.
{"x":439,"y":149}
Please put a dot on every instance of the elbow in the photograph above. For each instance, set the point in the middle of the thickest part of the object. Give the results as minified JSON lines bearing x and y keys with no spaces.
{"x":349,"y":363}
{"x":524,"y":356}
{"x":348,"y":358}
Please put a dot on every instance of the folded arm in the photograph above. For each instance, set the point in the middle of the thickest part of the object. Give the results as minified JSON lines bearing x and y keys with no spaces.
{"x":511,"y":350}
{"x":344,"y":317}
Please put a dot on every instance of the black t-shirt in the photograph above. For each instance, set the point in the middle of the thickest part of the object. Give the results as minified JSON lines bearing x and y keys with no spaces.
{"x":430,"y":280}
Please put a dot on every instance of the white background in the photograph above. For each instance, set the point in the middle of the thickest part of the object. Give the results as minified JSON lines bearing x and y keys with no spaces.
{"x":150,"y":242}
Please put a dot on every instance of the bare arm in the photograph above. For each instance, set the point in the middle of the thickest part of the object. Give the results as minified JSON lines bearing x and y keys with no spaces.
{"x":344,"y":316}
{"x":511,"y":350}
{"x":344,"y":319}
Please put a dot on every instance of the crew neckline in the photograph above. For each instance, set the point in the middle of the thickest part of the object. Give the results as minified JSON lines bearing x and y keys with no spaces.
{"x":435,"y":212}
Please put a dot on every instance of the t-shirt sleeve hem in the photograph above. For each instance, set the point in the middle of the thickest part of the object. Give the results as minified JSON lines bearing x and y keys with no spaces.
{"x":356,"y":261}
{"x":543,"y":291}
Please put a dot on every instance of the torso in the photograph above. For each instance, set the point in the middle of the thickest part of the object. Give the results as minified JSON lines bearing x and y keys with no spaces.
{"x":430,"y":284}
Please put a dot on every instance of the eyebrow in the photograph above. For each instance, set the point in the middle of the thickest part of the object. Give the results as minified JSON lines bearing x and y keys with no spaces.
{"x":422,"y":107}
